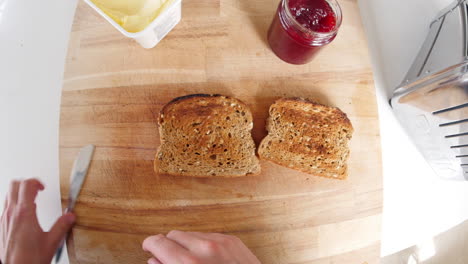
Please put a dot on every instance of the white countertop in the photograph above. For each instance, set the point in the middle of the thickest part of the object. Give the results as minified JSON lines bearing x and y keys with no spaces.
{"x":33,"y":43}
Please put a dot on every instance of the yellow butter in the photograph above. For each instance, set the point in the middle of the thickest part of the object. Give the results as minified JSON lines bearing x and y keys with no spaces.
{"x":133,"y":15}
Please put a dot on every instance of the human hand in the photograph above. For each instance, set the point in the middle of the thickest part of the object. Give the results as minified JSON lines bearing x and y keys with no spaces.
{"x":22,"y":240}
{"x":197,"y":248}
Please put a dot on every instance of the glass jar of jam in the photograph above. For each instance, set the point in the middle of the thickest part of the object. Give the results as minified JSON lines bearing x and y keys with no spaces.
{"x":301,"y":28}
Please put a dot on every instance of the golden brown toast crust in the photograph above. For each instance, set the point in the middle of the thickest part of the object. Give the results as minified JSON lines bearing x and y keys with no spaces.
{"x":206,"y":136}
{"x":307,"y":136}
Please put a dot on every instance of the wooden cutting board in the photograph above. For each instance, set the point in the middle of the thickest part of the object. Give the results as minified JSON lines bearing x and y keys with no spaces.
{"x":113,"y":90}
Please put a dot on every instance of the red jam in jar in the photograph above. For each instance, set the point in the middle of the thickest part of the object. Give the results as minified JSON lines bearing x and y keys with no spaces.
{"x":301,"y":28}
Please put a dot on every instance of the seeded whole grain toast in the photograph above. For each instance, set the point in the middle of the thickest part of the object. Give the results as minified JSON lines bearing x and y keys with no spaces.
{"x":308,"y":137}
{"x":206,"y":136}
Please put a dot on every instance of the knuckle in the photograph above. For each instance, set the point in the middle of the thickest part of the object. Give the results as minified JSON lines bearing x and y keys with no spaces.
{"x":210,"y":247}
{"x":229,"y":241}
{"x":156,"y":239}
{"x":226,"y":241}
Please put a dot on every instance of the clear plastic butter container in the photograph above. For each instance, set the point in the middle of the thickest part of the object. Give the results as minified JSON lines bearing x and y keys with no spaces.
{"x":152,"y":34}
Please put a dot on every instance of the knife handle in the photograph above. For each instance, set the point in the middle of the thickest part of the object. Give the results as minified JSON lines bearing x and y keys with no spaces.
{"x":58,"y":253}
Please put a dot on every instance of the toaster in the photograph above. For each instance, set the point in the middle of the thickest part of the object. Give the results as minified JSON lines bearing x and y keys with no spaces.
{"x":431,"y":102}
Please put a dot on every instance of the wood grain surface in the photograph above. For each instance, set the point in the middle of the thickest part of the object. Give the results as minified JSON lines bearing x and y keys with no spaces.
{"x":113,"y":91}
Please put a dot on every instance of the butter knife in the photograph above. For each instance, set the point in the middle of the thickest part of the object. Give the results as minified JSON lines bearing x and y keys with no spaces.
{"x":77,"y":177}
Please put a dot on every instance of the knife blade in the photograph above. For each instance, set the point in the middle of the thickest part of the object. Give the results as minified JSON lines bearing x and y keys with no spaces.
{"x":77,"y":177}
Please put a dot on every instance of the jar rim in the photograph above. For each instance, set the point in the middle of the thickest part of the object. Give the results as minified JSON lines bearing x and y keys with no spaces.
{"x":336,"y":9}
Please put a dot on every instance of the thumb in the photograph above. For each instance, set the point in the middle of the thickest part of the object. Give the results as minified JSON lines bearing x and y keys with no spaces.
{"x":59,"y":230}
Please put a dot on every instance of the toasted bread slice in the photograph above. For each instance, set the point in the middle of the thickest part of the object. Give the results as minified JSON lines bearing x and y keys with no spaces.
{"x":308,"y":137}
{"x":206,"y":136}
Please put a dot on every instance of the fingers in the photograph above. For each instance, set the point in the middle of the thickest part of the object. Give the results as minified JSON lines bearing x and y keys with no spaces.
{"x":59,"y":230}
{"x":5,"y":206}
{"x":12,"y":197}
{"x":28,"y":190}
{"x":153,"y":261}
{"x":224,"y":243}
{"x":166,"y":250}
{"x":189,"y":240}
{"x":217,"y":237}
